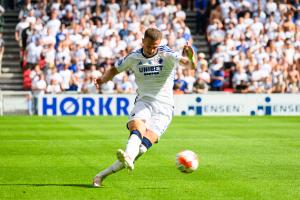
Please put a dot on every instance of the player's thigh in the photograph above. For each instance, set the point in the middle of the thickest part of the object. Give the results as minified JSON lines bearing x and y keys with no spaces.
{"x":139,"y":116}
{"x":160,"y":120}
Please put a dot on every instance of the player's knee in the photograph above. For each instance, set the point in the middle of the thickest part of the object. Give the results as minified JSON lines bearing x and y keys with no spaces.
{"x":137,"y":125}
{"x":151,"y":136}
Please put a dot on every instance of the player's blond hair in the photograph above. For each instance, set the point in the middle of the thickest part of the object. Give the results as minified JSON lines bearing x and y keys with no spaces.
{"x":153,"y":34}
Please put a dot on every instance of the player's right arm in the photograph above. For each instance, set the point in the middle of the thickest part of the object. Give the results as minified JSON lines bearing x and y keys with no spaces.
{"x":108,"y":75}
{"x":120,"y":66}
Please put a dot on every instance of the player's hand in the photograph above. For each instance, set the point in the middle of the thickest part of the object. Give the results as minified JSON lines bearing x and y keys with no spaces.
{"x":98,"y":82}
{"x":189,"y":52}
{"x":188,"y":49}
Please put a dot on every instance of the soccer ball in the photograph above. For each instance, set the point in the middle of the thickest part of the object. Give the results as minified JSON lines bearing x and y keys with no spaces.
{"x":187,"y":161}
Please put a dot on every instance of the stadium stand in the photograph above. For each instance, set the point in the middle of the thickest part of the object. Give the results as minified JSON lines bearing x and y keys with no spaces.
{"x":254,"y":46}
{"x":65,"y":44}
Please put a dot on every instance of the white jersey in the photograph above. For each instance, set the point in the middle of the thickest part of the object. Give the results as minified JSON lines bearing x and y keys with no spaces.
{"x":154,"y":76}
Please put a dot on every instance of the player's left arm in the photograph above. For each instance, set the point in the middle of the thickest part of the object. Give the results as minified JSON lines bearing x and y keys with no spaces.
{"x":188,"y":58}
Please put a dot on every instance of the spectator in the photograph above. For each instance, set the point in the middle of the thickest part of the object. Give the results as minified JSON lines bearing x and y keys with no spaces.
{"x":66,"y":76}
{"x":33,"y":53}
{"x":180,"y":14}
{"x":38,"y":87}
{"x":240,"y":80}
{"x":278,"y":79}
{"x":180,"y":83}
{"x":53,"y":87}
{"x":49,"y":53}
{"x":125,"y":87}
{"x":108,"y":88}
{"x":88,"y":86}
{"x":226,"y":6}
{"x":147,"y":17}
{"x":113,"y":7}
{"x":293,"y":79}
{"x":267,"y":85}
{"x":23,"y":24}
{"x":216,"y":35}
{"x":78,"y":79}
{"x":202,"y":17}
{"x":25,"y":8}
{"x":217,"y":77}
{"x":202,"y":82}
{"x":68,"y":18}
{"x":171,"y":7}
{"x":35,"y":73}
{"x":124,"y":32}
{"x":54,"y":23}
{"x":2,"y":11}
{"x":26,"y":34}
{"x":200,"y":87}
{"x":53,"y":74}
{"x":177,"y":89}
{"x":189,"y":78}
{"x":271,"y":7}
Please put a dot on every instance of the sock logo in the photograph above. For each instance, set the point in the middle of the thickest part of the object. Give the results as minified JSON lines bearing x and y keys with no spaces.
{"x":195,"y":109}
{"x":263,"y":109}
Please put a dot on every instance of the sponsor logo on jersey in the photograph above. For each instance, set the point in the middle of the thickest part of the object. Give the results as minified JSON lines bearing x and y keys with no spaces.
{"x":150,"y":70}
{"x":151,"y":67}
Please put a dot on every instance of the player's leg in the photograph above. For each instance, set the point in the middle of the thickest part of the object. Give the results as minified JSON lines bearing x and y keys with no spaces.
{"x":125,"y":159}
{"x":148,"y":140}
{"x":115,"y":167}
{"x":118,"y":165}
{"x":137,"y":130}
{"x":137,"y":127}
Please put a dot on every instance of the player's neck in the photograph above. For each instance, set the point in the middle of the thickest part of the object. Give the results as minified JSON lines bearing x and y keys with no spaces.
{"x":148,"y":56}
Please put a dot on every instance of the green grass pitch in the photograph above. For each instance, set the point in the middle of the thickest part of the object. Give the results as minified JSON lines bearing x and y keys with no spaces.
{"x":49,"y":158}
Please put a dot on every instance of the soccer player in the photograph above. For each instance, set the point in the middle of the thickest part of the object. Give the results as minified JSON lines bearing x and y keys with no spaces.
{"x":154,"y":69}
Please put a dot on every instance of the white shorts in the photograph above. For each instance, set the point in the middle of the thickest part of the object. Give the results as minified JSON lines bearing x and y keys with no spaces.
{"x":157,"y":116}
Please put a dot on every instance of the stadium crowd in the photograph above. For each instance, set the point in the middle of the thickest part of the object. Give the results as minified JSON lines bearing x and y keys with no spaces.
{"x":254,"y":44}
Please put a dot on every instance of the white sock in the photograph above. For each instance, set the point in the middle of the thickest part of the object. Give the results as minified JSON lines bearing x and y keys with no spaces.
{"x":133,"y":146}
{"x":142,"y":150}
{"x":115,"y":167}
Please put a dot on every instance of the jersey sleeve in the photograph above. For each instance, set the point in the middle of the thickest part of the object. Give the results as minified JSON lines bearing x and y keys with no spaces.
{"x":170,"y":55}
{"x":125,"y":63}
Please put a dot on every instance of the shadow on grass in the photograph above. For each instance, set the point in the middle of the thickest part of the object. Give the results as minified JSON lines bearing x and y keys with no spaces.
{"x":49,"y":185}
{"x":72,"y":185}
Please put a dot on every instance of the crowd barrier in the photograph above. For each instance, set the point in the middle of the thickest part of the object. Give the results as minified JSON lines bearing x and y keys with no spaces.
{"x":15,"y":103}
{"x":216,"y":104}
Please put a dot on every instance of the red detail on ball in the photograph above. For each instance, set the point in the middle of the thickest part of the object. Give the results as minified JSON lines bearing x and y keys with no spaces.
{"x":184,"y":162}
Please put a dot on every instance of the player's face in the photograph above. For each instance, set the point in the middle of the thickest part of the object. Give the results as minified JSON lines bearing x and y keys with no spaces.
{"x":150,"y":46}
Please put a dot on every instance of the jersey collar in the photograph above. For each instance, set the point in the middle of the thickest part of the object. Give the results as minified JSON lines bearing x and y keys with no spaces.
{"x":142,"y":50}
